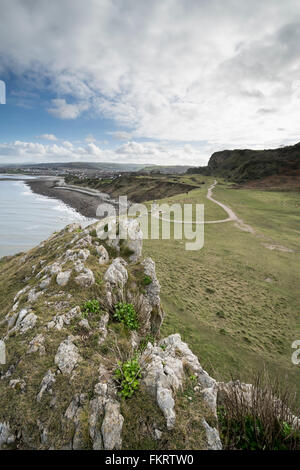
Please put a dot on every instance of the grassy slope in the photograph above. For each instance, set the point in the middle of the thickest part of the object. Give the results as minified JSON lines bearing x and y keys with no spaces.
{"x":218,"y":298}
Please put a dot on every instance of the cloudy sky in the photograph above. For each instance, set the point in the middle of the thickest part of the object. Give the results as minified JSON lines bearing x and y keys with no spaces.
{"x":160,"y":81}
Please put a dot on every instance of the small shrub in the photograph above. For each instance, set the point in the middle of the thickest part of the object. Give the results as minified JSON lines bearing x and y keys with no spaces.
{"x":259,"y":420}
{"x":145,"y":341}
{"x":91,"y":307}
{"x":146,"y":280}
{"x":128,"y":376}
{"x":125,"y":313}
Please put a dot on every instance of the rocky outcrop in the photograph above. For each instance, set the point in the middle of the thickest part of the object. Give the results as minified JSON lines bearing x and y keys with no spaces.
{"x":65,"y":355}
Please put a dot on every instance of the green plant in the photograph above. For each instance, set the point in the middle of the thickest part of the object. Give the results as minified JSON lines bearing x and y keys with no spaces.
{"x":125,"y":313}
{"x":145,"y":341}
{"x":146,"y":280}
{"x":91,"y":307}
{"x":128,"y":375}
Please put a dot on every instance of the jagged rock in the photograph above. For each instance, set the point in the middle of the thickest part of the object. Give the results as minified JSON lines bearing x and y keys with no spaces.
{"x":115,"y":276}
{"x":79,"y":266}
{"x":85,"y":241}
{"x":54,"y":268}
{"x":134,"y":241}
{"x":73,"y":413}
{"x":33,"y":295}
{"x":122,"y":232}
{"x":103,"y":327}
{"x":18,"y":384}
{"x":67,"y":356}
{"x":164,"y":373}
{"x":27,"y":323}
{"x":72,"y":227}
{"x":37,"y":345}
{"x":157,"y":434}
{"x":21,"y":292}
{"x":6,"y":436}
{"x":166,"y":403}
{"x":86,"y":278}
{"x":112,"y":426}
{"x":63,"y":277}
{"x":46,"y":385}
{"x":103,"y":255}
{"x":213,"y":437}
{"x":45,"y":282}
{"x":2,"y":352}
{"x":150,"y":307}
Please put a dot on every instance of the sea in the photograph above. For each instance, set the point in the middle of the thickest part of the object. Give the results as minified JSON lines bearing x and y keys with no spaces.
{"x":26,"y":218}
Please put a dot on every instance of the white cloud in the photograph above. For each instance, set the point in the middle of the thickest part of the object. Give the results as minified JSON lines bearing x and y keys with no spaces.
{"x":178,"y":71}
{"x":63,"y":110}
{"x":48,"y":137}
{"x":131,"y":152}
{"x":90,"y":138}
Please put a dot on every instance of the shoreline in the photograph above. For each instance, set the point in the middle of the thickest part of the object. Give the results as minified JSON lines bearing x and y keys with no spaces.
{"x":85,"y":204}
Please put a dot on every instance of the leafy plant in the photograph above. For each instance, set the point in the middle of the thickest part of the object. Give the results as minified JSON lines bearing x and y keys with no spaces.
{"x":146,"y":280}
{"x":91,"y":307}
{"x":128,"y":376}
{"x":125,"y":313}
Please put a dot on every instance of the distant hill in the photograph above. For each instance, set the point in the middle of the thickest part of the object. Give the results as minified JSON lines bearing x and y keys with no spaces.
{"x":101,"y":166}
{"x":243,"y":166}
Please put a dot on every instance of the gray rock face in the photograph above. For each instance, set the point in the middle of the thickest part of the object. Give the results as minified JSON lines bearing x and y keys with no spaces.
{"x":116,"y":274}
{"x":150,"y":307}
{"x":45,"y":282}
{"x":122,"y":231}
{"x":33,"y":295}
{"x":86,"y":278}
{"x":163,"y":374}
{"x":103,"y":255}
{"x":72,"y":227}
{"x":63,"y":278}
{"x":112,"y":426}
{"x":6,"y":436}
{"x":67,"y":356}
{"x":134,"y":240}
{"x":2,"y":352}
{"x":27,"y":323}
{"x":37,"y":344}
{"x":213,"y":437}
{"x":46,"y":385}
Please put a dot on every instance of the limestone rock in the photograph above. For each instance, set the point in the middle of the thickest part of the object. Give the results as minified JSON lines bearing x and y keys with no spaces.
{"x":46,"y":385}
{"x":86,"y":278}
{"x":103,"y":255}
{"x":67,"y":356}
{"x":37,"y":345}
{"x":213,"y":437}
{"x":112,"y":426}
{"x":6,"y":436}
{"x":63,"y":278}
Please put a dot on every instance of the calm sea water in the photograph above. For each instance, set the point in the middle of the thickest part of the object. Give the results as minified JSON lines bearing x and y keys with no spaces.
{"x":26,"y":218}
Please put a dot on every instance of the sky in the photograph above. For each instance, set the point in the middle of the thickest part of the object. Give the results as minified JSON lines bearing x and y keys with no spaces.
{"x":160,"y":82}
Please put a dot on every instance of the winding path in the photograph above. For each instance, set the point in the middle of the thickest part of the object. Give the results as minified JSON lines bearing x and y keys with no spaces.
{"x":232,"y":217}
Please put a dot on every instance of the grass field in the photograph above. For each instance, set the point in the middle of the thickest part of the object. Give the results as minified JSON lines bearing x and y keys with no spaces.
{"x":236,"y":302}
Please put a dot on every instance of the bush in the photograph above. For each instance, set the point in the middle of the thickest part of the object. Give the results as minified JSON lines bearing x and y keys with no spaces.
{"x":260,"y":419}
{"x":128,"y":376}
{"x":146,"y":280}
{"x":91,"y":307}
{"x":125,"y":313}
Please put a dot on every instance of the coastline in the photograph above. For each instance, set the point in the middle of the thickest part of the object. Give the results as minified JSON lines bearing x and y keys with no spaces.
{"x":85,"y":204}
